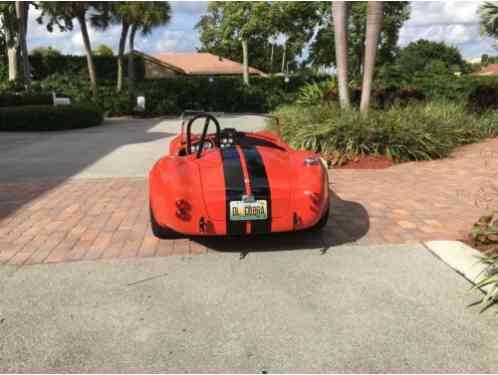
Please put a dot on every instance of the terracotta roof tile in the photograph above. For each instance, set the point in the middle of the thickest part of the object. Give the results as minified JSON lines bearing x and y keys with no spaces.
{"x":203,"y":63}
{"x":491,"y":69}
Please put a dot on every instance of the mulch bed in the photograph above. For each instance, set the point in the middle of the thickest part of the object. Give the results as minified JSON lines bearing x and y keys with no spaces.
{"x":367,"y":162}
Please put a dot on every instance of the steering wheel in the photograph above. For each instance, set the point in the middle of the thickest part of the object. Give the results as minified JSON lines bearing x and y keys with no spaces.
{"x":201,"y":142}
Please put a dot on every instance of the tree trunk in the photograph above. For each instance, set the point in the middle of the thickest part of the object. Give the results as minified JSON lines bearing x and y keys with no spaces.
{"x":88,"y":51}
{"x":122,"y":44}
{"x":21,"y":16}
{"x":245,"y":62}
{"x":12,"y":44}
{"x":271,"y":57}
{"x":284,"y":53}
{"x":13,"y":63}
{"x":131,"y":60}
{"x":374,"y":26}
{"x":340,"y":13}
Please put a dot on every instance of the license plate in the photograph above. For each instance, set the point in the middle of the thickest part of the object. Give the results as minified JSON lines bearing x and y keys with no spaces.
{"x":240,"y":210}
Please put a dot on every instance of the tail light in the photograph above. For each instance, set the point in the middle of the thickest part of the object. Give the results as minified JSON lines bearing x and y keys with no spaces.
{"x":182,"y":209}
{"x":311,"y":160}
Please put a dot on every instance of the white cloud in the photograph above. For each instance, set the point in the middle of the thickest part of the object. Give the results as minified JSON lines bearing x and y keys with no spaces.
{"x":443,"y":13}
{"x":189,"y":7}
{"x":452,"y":22}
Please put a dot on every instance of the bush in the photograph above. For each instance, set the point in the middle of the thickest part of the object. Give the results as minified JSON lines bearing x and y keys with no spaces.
{"x":173,"y":95}
{"x":12,"y":100}
{"x":488,"y":280}
{"x":105,"y":66}
{"x":326,"y":93}
{"x":483,"y":97}
{"x":415,"y":132}
{"x":42,"y":118}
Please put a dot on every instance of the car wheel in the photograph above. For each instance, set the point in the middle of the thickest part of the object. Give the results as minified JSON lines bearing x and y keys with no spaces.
{"x":323,"y":221}
{"x":160,"y":231}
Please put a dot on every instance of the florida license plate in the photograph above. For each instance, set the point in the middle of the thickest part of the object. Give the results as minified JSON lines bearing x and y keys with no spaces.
{"x":240,"y":210}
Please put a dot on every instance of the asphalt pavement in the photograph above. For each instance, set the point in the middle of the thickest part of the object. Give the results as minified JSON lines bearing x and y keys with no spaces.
{"x":121,"y":147}
{"x":351,"y":308}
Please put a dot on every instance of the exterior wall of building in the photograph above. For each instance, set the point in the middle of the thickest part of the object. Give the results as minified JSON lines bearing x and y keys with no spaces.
{"x":153,"y":70}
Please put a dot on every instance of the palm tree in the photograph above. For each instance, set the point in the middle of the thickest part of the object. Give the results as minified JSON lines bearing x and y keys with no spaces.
{"x":117,"y":12}
{"x":10,"y":36}
{"x":22,"y":9}
{"x":340,"y":14}
{"x":61,"y":14}
{"x":145,"y":16}
{"x":374,"y":26}
{"x":488,"y":14}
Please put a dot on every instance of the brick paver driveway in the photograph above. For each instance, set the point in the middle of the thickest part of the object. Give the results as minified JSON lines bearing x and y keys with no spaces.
{"x":57,"y":219}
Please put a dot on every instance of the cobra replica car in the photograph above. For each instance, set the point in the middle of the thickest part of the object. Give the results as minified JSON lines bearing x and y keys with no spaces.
{"x":225,"y":182}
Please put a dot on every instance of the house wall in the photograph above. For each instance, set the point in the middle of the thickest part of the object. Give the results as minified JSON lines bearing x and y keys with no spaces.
{"x":153,"y":70}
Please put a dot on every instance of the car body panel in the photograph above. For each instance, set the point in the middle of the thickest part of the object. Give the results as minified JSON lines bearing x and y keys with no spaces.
{"x":191,"y":195}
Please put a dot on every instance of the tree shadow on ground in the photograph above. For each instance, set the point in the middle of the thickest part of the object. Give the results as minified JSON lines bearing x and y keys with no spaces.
{"x":348,"y":222}
{"x":34,"y":163}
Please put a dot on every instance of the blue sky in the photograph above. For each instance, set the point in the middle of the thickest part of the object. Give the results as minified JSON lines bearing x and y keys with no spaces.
{"x":453,"y":22}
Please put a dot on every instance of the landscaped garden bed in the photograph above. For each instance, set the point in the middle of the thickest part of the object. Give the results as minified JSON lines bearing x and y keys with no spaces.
{"x":48,"y":117}
{"x":401,"y":133}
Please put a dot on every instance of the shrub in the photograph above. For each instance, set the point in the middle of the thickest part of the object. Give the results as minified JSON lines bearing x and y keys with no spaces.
{"x":105,"y":66}
{"x":483,"y":97}
{"x":12,"y":100}
{"x":173,"y":95}
{"x":382,"y":97}
{"x":484,"y":235}
{"x":42,"y":118}
{"x":415,"y":132}
{"x":488,"y":279}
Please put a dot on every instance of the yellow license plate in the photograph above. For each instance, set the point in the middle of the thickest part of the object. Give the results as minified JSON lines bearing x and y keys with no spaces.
{"x":240,"y":210}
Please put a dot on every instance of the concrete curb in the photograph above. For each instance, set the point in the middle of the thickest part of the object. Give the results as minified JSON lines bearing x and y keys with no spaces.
{"x":460,"y":257}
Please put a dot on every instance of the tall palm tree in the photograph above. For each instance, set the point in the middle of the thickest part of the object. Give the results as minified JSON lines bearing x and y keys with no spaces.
{"x":145,"y":17}
{"x":340,"y":12}
{"x":22,"y":9}
{"x":116,"y":12}
{"x":9,"y":29}
{"x":61,"y":14}
{"x":374,"y":27}
{"x":488,"y":14}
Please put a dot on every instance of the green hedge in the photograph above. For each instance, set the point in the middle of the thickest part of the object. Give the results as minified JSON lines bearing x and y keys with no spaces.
{"x":105,"y":66}
{"x":173,"y":95}
{"x":12,"y":100}
{"x":44,"y":118}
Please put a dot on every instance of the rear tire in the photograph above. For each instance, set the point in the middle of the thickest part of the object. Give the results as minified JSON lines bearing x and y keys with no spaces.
{"x":160,"y":231}
{"x":323,"y":221}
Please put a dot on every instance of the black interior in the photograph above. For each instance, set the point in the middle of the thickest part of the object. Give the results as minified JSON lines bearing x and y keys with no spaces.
{"x":222,"y":138}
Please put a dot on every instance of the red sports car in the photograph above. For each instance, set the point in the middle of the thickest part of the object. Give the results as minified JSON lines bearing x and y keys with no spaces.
{"x":228,"y":182}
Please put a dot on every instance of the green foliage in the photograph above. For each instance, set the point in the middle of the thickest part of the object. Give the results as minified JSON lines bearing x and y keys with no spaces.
{"x":225,"y":23}
{"x":432,"y":58}
{"x":11,"y":100}
{"x":46,"y":65}
{"x":326,"y":93}
{"x":488,"y":15}
{"x":318,"y":93}
{"x":489,"y":279}
{"x":173,"y":95}
{"x":415,"y":132}
{"x":103,"y":50}
{"x":482,"y":97}
{"x":322,"y":50}
{"x":485,"y":231}
{"x":45,"y":52}
{"x":484,"y":235}
{"x":46,"y":118}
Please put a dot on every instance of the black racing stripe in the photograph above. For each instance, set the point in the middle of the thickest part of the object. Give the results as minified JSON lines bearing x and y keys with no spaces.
{"x":260,"y":186}
{"x":234,"y":186}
